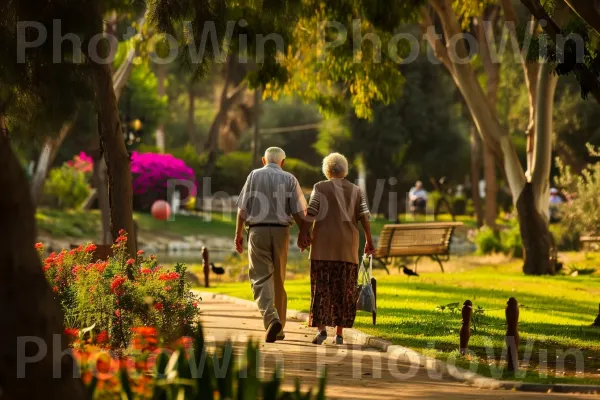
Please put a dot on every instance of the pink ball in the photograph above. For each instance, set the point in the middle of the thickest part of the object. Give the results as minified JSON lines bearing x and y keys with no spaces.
{"x":161,"y":210}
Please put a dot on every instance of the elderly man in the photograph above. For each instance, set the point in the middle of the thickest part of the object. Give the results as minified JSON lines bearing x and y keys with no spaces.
{"x":270,"y":200}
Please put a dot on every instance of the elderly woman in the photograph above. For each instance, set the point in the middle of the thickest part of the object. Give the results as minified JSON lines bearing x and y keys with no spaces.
{"x":336,"y":207}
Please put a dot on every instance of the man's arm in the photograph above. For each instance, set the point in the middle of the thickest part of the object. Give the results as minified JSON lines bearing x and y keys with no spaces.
{"x":239,"y":231}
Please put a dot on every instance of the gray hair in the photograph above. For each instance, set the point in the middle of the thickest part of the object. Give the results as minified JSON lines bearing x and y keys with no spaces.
{"x":274,"y":155}
{"x":335,"y":165}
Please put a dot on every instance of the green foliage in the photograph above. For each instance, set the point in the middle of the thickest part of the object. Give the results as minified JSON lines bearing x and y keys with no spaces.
{"x":511,"y":239}
{"x":66,"y":187}
{"x":118,"y":294}
{"x":488,"y":242}
{"x":583,"y":211}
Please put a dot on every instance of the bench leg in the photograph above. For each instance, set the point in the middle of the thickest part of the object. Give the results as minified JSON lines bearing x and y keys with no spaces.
{"x":436,"y":258}
{"x":416,"y":261}
{"x":383,"y":264}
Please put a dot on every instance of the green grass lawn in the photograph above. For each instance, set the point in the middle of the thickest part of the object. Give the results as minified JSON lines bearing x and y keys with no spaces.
{"x":555,"y":316}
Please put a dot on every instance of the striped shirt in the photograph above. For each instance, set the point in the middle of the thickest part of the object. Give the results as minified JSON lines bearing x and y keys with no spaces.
{"x":271,"y":196}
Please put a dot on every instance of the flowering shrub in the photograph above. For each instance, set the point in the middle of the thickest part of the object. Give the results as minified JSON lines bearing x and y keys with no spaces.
{"x":151,"y":173}
{"x":115,"y":295}
{"x":82,"y":163}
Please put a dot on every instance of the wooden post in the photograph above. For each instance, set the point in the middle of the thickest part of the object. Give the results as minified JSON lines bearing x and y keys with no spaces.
{"x":512,"y":333}
{"x":597,"y":320}
{"x":465,"y":329}
{"x":206,"y":266}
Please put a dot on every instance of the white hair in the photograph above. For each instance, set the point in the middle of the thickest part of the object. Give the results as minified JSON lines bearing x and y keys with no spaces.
{"x":335,"y":165}
{"x":274,"y":155}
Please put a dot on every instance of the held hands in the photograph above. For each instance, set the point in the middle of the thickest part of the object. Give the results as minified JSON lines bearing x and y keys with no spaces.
{"x":304,"y":241}
{"x":369,"y":248}
{"x":239,"y":242}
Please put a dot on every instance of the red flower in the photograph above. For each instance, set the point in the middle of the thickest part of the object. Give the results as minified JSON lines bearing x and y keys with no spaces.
{"x":118,"y":313}
{"x":76,"y":269}
{"x":121,"y":232}
{"x":46,"y":267}
{"x":55,"y":289}
{"x":145,"y":271}
{"x":169,"y":276}
{"x":195,"y":304}
{"x":167,"y":288}
{"x":80,"y":248}
{"x":90,"y":248}
{"x":121,"y":239}
{"x":152,"y":257}
{"x":117,"y":285}
{"x":71,"y":332}
{"x":140,"y":252}
{"x":72,"y":252}
{"x":39,"y":246}
{"x":144,"y":330}
{"x":130,"y":261}
{"x":158,"y":306}
{"x":102,"y":337}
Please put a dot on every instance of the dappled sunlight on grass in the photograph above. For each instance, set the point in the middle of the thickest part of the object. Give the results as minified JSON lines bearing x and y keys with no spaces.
{"x":556,"y":314}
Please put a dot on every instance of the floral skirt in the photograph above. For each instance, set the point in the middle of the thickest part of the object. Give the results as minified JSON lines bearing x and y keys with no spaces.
{"x":334,"y":292}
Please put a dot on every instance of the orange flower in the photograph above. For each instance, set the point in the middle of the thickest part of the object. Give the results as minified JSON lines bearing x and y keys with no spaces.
{"x":90,"y":248}
{"x":140,"y":252}
{"x":39,"y":246}
{"x":130,"y":261}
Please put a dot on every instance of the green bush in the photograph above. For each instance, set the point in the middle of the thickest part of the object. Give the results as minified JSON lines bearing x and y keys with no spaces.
{"x":566,"y":237}
{"x":232,"y":169}
{"x":487,"y":242}
{"x":66,"y":187}
{"x":306,"y":174}
{"x":583,"y":211}
{"x":511,"y":240}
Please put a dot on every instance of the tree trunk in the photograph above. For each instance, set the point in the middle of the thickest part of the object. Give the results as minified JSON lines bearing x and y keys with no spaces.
{"x":45,"y":161}
{"x":492,"y":72}
{"x":120,"y":190}
{"x":256,"y":159}
{"x":191,"y":121}
{"x":533,"y":203}
{"x":160,"y":131}
{"x":476,"y":152}
{"x":99,"y":174}
{"x":29,"y":309}
{"x":535,"y":234}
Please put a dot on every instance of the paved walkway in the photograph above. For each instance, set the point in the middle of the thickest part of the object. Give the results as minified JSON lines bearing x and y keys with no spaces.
{"x":353,"y":372}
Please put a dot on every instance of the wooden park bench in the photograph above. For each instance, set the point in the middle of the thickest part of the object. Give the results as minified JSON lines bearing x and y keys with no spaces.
{"x":415,"y":240}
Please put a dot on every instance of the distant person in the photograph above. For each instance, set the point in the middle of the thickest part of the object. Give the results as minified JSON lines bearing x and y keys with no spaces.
{"x":556,"y":201}
{"x":418,"y":198}
{"x":270,"y":200}
{"x":336,"y":207}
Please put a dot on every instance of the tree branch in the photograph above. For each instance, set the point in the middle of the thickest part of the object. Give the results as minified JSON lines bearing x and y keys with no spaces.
{"x":587,"y":77}
{"x":439,"y":50}
{"x":587,"y":11}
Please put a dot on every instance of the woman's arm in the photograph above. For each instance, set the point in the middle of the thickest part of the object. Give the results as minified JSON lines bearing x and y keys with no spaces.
{"x":366,"y":224}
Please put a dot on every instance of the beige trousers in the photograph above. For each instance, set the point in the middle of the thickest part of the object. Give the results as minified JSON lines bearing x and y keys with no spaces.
{"x":267,"y":253}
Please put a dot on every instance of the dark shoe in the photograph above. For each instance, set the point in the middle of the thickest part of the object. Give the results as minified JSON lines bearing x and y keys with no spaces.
{"x":281,"y":336}
{"x":274,"y":329}
{"x":320,"y":338}
{"x":338,"y":339}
